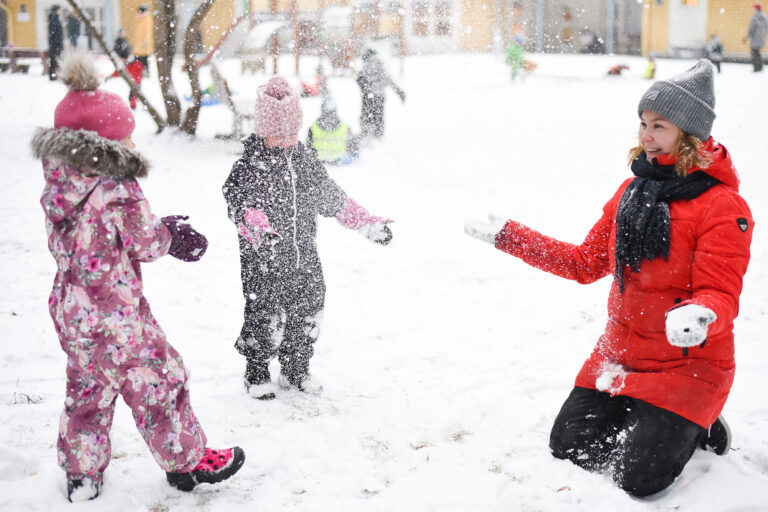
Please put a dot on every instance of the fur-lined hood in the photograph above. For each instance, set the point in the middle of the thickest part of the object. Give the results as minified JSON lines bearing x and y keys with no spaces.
{"x":86,"y":150}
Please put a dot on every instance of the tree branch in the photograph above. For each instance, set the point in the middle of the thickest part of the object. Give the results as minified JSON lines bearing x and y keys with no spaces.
{"x":119,"y":66}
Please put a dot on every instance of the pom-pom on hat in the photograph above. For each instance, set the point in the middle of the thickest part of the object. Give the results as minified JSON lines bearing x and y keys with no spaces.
{"x":85,"y":107}
{"x":686,"y":99}
{"x":278,"y":112}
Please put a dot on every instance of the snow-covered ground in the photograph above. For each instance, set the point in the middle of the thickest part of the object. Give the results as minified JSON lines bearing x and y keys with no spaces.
{"x":444,"y":362}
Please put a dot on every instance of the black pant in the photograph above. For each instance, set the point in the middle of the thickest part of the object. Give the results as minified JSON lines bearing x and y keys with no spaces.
{"x":372,"y":115}
{"x":283,"y":307}
{"x":53,"y":61}
{"x":144,"y":59}
{"x":644,"y":446}
{"x":288,"y":333}
{"x":757,"y":59}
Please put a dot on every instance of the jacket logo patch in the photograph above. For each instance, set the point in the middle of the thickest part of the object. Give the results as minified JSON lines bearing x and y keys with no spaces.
{"x":743,"y":224}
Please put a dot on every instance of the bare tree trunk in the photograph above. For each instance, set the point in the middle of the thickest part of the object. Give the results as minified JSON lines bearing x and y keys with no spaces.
{"x":165,"y":50}
{"x":191,"y":66}
{"x":119,"y":66}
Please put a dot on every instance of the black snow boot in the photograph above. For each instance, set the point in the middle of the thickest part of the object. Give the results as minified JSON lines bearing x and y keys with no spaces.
{"x":257,"y":380}
{"x":82,"y":489}
{"x":718,"y":437}
{"x":215,"y":466}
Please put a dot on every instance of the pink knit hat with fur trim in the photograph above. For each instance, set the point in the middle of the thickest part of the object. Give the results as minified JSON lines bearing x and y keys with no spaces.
{"x":278,"y":112}
{"x":85,"y":107}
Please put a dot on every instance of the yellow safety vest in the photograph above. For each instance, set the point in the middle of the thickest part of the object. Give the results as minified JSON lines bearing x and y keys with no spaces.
{"x":330,"y":145}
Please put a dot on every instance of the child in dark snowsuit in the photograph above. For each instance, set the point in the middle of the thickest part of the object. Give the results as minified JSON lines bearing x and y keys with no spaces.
{"x":100,"y":229}
{"x":373,"y":81}
{"x":274,"y":194}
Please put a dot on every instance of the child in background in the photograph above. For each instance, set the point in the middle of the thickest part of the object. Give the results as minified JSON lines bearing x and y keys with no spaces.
{"x":714,"y":49}
{"x":331,"y":137}
{"x":650,"y":69}
{"x":100,"y":229}
{"x":133,"y":66}
{"x":676,"y":239}
{"x":274,"y":194}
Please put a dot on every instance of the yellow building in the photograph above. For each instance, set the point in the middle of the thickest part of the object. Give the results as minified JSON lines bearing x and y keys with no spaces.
{"x":669,"y":27}
{"x":682,"y":27}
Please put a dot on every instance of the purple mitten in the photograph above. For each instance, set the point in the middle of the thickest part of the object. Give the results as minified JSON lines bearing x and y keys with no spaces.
{"x":186,"y":243}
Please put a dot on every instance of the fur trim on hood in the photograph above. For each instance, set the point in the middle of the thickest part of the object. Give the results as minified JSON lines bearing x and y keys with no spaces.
{"x":86,"y":150}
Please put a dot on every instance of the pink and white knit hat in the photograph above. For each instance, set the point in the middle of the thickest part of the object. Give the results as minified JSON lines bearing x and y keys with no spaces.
{"x":86,"y":107}
{"x":278,"y":112}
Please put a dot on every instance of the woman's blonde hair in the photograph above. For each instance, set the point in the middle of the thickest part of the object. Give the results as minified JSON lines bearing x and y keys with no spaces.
{"x":688,"y":153}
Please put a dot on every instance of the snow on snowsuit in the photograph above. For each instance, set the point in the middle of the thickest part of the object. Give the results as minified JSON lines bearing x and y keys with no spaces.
{"x":709,"y":252}
{"x":100,"y":229}
{"x":283,"y":281}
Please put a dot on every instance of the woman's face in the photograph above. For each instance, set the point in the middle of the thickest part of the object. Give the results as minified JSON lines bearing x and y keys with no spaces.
{"x":657,"y":135}
{"x":285,"y":142}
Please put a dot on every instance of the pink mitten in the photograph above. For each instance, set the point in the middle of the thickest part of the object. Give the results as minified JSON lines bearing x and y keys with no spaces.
{"x":255,"y":224}
{"x":353,"y":216}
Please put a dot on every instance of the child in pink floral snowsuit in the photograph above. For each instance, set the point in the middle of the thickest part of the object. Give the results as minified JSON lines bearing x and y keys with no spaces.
{"x":99,"y":229}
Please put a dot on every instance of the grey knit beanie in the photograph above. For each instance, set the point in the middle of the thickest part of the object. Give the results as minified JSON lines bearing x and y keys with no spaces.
{"x":686,"y":99}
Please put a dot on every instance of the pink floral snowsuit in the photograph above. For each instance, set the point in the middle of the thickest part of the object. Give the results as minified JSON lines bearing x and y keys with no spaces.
{"x":99,"y":229}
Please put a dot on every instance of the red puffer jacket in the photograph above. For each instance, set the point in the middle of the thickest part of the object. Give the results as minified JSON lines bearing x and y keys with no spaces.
{"x":708,"y":256}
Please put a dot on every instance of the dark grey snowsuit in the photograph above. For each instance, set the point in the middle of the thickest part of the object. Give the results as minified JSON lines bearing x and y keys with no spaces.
{"x":282,"y":281}
{"x":373,"y":81}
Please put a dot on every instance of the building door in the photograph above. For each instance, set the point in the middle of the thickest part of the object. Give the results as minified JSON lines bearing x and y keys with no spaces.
{"x":477,"y":18}
{"x":96,"y":15}
{"x":687,"y":28}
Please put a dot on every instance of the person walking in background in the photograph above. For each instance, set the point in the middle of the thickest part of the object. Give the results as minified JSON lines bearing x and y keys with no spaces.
{"x":373,"y":81}
{"x":73,"y":28}
{"x":274,"y":195}
{"x":122,"y":47}
{"x":55,"y":40}
{"x":100,"y":229}
{"x":676,"y":238}
{"x":756,"y":34}
{"x":133,"y":66}
{"x":714,"y":49}
{"x":143,"y":42}
{"x":650,"y":69}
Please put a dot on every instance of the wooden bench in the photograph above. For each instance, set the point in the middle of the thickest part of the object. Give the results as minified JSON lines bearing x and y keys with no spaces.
{"x":222,"y":93}
{"x":10,"y":59}
{"x":253,"y":63}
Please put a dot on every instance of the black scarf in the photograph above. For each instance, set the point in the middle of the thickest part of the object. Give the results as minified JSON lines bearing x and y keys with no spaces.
{"x":642,"y":218}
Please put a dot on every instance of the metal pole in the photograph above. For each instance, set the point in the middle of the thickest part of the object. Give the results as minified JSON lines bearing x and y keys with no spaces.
{"x":610,"y":26}
{"x":540,"y":10}
{"x":295,"y":19}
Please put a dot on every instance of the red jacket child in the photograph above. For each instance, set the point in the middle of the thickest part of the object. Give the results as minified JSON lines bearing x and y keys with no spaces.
{"x":134,"y":68}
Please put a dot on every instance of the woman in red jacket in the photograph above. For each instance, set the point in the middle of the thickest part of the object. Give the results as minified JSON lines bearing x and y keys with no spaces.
{"x":676,"y":239}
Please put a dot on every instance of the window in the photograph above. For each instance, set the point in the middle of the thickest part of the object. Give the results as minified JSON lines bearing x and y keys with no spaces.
{"x":420,"y":18}
{"x":443,"y":15}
